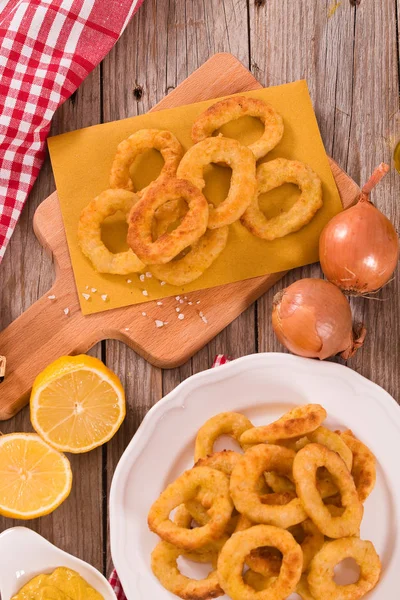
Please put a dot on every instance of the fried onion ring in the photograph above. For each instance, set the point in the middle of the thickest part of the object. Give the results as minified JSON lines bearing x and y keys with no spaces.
{"x":89,"y":233}
{"x":256,"y":460}
{"x":199,"y":258}
{"x":164,"y":566}
{"x":243,"y":182}
{"x":169,"y":245}
{"x":267,"y":561}
{"x":205,"y":554}
{"x":227,"y":423}
{"x":239,"y":546}
{"x":364,"y":465}
{"x":201,"y":480}
{"x":230,"y":109}
{"x":271,"y":175}
{"x":298,"y":422}
{"x":320,"y":577}
{"x":137,"y":143}
{"x":260,"y":582}
{"x":305,"y":466}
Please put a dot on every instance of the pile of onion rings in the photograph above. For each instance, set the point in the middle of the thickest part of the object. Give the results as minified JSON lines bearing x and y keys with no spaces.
{"x":262,"y":519}
{"x":173,"y":231}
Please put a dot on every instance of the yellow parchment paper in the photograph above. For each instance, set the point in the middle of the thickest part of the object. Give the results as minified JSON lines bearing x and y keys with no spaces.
{"x":82,"y":161}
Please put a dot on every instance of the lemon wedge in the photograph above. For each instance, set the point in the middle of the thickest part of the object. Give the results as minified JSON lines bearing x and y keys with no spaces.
{"x":34,"y":478}
{"x":77,"y":404}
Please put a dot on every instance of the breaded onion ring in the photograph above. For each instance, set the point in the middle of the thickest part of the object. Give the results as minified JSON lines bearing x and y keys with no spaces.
{"x":227,"y":423}
{"x":256,"y":460}
{"x":320,"y":577}
{"x":199,"y":258}
{"x":243,"y":186}
{"x":297,"y":422}
{"x":190,"y":484}
{"x":169,"y":245}
{"x":89,"y":233}
{"x":205,"y":554}
{"x":267,"y":561}
{"x":260,"y":582}
{"x":164,"y":566}
{"x":364,"y":465}
{"x":230,"y":109}
{"x":271,"y":175}
{"x":239,"y":546}
{"x":305,"y":466}
{"x":221,"y":461}
{"x":137,"y":143}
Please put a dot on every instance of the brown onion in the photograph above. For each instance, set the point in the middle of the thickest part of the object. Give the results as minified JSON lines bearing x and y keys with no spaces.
{"x":312,"y":318}
{"x":359,"y":247}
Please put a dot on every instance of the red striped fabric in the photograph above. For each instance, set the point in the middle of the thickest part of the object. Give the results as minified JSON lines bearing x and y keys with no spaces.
{"x":220,"y":359}
{"x":47,"y":48}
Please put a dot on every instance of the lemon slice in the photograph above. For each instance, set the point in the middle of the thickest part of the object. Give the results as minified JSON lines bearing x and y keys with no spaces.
{"x":34,"y":478}
{"x":77,"y":404}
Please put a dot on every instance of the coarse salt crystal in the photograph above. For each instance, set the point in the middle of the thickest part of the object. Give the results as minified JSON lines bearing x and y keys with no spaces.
{"x":104,"y":297}
{"x":86,"y":296}
{"x":163,"y":282}
{"x":52,"y":297}
{"x":94,"y":290}
{"x":87,"y":287}
{"x":145,"y":293}
{"x":66,"y":311}
{"x":181,"y":317}
{"x":181,"y":301}
{"x":129,"y":281}
{"x":198,"y":302}
{"x":178,"y":309}
{"x":159,"y":304}
{"x":204,"y":319}
{"x":126,"y":328}
{"x":144,"y":314}
{"x":149,"y":275}
{"x":159,"y":323}
{"x":190,"y":303}
{"x":141,"y":277}
{"x":177,"y":298}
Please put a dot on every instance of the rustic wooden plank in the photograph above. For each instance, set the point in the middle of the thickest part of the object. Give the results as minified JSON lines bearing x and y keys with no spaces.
{"x":26,"y":273}
{"x":374,"y":126}
{"x":302,"y":41}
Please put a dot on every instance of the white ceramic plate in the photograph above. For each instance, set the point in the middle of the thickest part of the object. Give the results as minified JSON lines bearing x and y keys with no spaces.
{"x":263,"y":387}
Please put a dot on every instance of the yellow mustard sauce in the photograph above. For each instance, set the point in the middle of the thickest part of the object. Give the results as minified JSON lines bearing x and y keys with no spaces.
{"x":62,"y":584}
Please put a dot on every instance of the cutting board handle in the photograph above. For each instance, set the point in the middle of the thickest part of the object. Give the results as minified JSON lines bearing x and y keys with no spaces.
{"x":39,"y":336}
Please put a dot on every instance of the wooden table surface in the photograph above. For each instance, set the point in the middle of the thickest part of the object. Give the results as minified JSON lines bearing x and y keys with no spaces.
{"x":351,"y":62}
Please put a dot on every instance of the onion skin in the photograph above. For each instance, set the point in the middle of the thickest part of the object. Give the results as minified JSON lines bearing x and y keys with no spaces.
{"x":359,"y":247}
{"x":312,"y":318}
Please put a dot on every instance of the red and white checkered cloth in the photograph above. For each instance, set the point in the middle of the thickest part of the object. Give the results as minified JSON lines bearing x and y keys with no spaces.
{"x":115,"y":583}
{"x":47,"y":48}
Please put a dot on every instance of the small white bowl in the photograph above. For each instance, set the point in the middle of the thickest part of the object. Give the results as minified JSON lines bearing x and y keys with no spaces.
{"x":25,"y":554}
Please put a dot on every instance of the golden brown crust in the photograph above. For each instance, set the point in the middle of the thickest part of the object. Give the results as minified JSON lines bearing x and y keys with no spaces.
{"x":164,"y":566}
{"x":297,"y":422}
{"x":169,"y":245}
{"x":271,"y":175}
{"x":239,"y":546}
{"x":89,"y":233}
{"x":243,"y":181}
{"x":145,"y":139}
{"x":305,"y":466}
{"x":230,"y":109}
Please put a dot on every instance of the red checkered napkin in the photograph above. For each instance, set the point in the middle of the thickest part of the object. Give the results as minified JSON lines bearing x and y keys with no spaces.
{"x":220,"y":359}
{"x":47,"y":48}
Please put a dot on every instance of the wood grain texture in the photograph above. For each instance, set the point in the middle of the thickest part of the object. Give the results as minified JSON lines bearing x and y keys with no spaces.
{"x":26,"y":273}
{"x":350,"y":61}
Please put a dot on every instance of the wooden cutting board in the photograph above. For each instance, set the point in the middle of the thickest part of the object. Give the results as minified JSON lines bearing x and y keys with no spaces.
{"x":44,"y":332}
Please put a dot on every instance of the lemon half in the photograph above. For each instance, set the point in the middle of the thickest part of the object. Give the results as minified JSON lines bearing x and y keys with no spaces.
{"x":77,"y":404}
{"x":34,"y":478}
